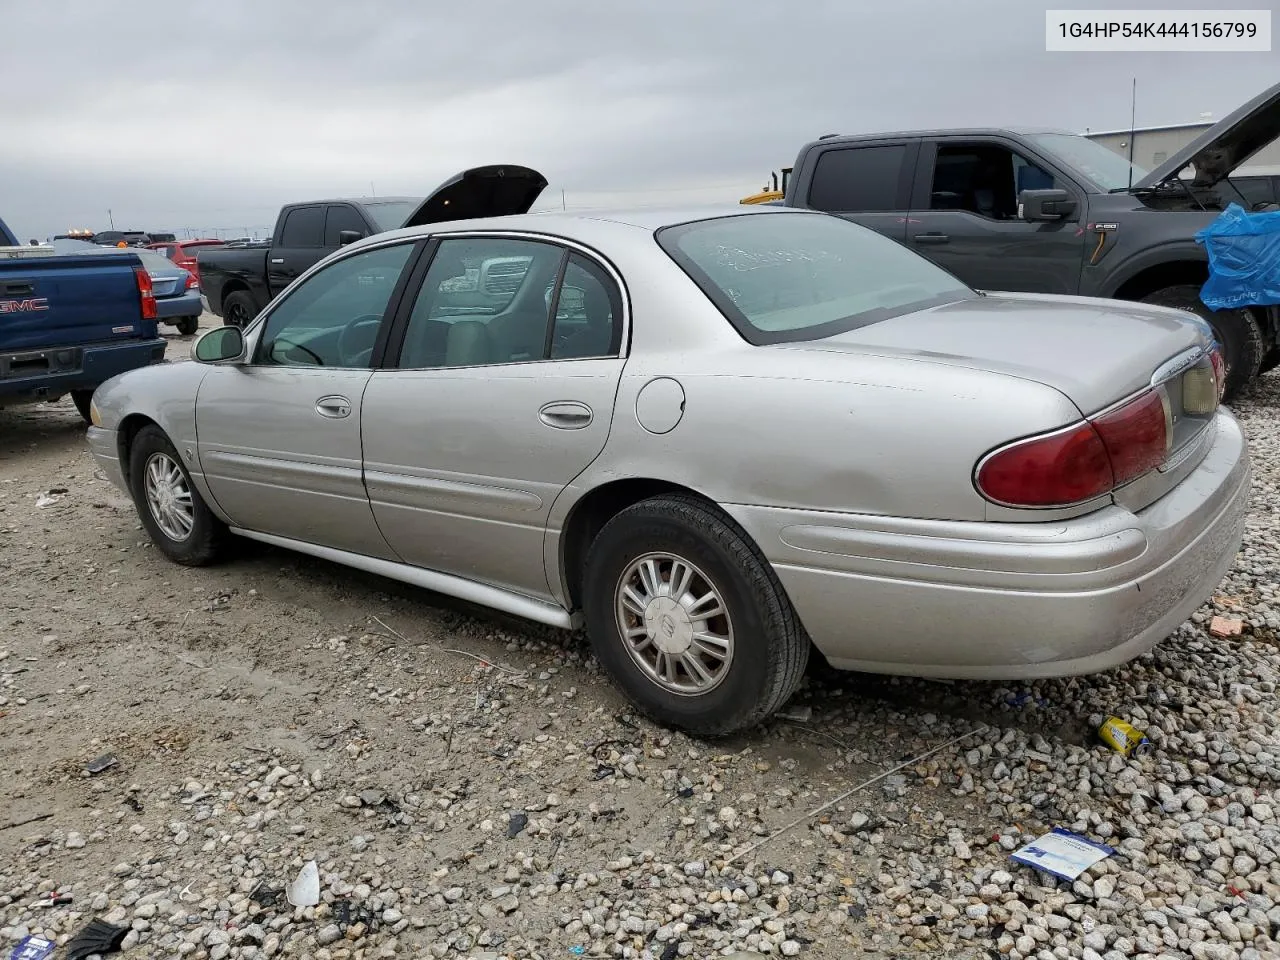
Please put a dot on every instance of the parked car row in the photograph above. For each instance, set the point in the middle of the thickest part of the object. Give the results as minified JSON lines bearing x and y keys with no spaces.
{"x":725,"y":441}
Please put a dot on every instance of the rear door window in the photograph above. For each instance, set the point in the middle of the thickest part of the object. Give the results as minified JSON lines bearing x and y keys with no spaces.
{"x":858,"y":179}
{"x":303,"y":227}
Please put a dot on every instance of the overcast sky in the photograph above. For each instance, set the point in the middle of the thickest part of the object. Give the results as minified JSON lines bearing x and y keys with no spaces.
{"x":194,"y":115}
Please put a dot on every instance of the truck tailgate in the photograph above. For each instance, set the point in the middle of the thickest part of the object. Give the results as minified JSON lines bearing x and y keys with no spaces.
{"x":57,"y":301}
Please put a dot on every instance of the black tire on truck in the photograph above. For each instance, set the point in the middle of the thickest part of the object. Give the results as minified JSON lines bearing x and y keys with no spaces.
{"x":1237,"y":330}
{"x":188,"y":325}
{"x":238,"y":309}
{"x":82,"y":399}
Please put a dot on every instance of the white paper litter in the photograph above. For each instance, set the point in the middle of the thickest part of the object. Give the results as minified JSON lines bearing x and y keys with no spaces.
{"x":1062,"y":853}
{"x":305,"y":890}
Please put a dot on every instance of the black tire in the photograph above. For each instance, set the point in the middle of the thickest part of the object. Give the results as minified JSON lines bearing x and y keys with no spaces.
{"x":238,"y":309}
{"x":188,"y":325}
{"x":770,"y":647}
{"x":1270,"y":361}
{"x":1238,"y":331}
{"x":82,"y":399}
{"x":207,"y":540}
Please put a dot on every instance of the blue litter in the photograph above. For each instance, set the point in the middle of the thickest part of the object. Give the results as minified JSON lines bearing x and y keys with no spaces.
{"x":577,"y":951}
{"x":32,"y":948}
{"x":1062,"y":853}
{"x":1244,"y":259}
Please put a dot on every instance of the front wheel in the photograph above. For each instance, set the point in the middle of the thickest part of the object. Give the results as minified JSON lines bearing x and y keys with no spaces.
{"x":1237,"y":330}
{"x":689,"y":619}
{"x":175,"y":515}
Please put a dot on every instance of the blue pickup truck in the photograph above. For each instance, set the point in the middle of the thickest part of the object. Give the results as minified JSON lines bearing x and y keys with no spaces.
{"x":70,"y":323}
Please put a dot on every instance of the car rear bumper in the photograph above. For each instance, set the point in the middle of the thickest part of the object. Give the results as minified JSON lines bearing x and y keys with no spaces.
{"x":32,"y":375}
{"x":188,"y":304}
{"x":1005,"y":600}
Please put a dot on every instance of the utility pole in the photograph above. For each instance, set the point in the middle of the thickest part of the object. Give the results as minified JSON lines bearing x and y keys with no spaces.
{"x":1133,"y":117}
{"x":111,"y":220}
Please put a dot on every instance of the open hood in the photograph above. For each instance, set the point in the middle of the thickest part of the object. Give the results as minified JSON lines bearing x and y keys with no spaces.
{"x":500,"y":190}
{"x":1225,"y":146}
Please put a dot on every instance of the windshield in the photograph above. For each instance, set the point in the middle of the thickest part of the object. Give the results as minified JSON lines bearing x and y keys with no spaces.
{"x":783,"y":277}
{"x":1106,"y":168}
{"x":391,"y":214}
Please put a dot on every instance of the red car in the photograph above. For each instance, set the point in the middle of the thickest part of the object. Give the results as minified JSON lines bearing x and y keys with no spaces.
{"x":183,"y":253}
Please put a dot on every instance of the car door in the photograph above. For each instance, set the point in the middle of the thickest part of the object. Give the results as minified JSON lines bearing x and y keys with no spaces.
{"x":964,"y":217}
{"x":866,"y":182}
{"x":343,"y":218}
{"x":278,"y":436}
{"x":501,"y":394}
{"x":300,"y":247}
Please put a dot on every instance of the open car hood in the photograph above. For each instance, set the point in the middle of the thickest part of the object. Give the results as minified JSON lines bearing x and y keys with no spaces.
{"x":499,"y":190}
{"x":1225,"y":146}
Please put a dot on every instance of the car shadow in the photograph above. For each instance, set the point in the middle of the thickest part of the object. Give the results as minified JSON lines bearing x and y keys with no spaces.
{"x":48,"y":426}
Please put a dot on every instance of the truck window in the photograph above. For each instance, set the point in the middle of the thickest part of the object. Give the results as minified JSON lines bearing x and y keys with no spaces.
{"x":303,"y":227}
{"x":861,"y":179}
{"x":984,"y":179}
{"x":342,"y":217}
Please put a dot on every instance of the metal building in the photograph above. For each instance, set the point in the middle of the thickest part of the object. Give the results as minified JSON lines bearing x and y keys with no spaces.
{"x":1153,"y":145}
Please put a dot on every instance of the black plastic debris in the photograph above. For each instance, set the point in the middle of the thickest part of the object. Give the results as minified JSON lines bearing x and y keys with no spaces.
{"x":133,"y":803}
{"x":516,"y":824}
{"x":603,"y":772}
{"x":266,"y":897}
{"x":98,"y":764}
{"x":347,"y":915}
{"x":98,"y":937}
{"x":672,"y":951}
{"x":684,"y":793}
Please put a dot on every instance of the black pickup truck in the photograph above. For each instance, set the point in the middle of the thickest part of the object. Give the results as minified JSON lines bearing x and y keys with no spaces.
{"x":1045,"y":211}
{"x":239,"y":281}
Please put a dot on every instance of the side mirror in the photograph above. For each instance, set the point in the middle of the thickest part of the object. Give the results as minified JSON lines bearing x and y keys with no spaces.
{"x":220,"y":345}
{"x":349,"y":236}
{"x":1041,"y":205}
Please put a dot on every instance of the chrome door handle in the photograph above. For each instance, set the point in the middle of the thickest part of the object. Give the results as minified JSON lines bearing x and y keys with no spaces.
{"x":566,"y":415}
{"x":335,"y":408}
{"x":277,"y":259}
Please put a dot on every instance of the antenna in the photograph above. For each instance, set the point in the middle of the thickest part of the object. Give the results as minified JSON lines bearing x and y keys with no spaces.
{"x":1133,"y":115}
{"x":563,"y":206}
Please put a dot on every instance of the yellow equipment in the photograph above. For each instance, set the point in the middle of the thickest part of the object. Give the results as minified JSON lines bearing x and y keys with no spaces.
{"x":774,"y":192}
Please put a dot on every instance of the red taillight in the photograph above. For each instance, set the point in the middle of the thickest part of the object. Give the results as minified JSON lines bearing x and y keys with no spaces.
{"x":1136,"y":436}
{"x":146,"y":292}
{"x":1219,"y":371}
{"x":192,"y":282}
{"x":1085,"y":461}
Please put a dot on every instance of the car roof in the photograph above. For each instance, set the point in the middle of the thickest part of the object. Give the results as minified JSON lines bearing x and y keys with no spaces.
{"x":943,"y":132}
{"x":587,"y":224}
{"x":362,"y":201}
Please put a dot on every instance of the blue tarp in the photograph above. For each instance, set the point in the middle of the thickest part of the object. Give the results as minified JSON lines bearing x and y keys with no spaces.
{"x":1244,"y":259}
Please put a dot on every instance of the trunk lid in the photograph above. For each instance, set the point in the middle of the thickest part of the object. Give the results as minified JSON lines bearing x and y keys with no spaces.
{"x":1094,"y":351}
{"x":1225,"y":146}
{"x":498,"y":190}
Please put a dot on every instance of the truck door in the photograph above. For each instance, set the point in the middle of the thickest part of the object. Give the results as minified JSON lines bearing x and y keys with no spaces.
{"x":299,"y":246}
{"x":868,"y":182}
{"x":964,"y":217}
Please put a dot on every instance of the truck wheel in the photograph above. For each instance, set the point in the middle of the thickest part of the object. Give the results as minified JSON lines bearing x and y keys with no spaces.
{"x":82,"y":399}
{"x":176,"y":517}
{"x":1270,"y":361}
{"x":188,"y":325}
{"x":689,"y":619}
{"x":1237,"y":330}
{"x":238,"y":309}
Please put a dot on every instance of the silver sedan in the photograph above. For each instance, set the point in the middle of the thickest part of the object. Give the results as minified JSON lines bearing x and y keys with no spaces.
{"x":720,"y":440}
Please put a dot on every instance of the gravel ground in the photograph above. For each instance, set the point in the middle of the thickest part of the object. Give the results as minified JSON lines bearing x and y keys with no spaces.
{"x":279,"y":710}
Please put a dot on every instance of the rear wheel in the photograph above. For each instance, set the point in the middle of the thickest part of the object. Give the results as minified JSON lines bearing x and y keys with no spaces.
{"x":82,"y":399}
{"x":176,"y":517}
{"x":238,"y":309}
{"x":1237,"y":330}
{"x":689,"y":619}
{"x":188,"y":325}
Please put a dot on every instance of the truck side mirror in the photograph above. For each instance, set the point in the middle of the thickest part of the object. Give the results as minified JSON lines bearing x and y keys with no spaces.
{"x":349,"y":236}
{"x":220,"y":345}
{"x":1045,"y":205}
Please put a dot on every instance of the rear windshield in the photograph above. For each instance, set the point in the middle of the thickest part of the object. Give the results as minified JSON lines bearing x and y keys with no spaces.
{"x":787,"y":277}
{"x":391,"y":214}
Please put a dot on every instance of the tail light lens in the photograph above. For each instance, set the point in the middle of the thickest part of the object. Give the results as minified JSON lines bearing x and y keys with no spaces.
{"x":1082,"y":462}
{"x":146,"y":292}
{"x":192,"y":282}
